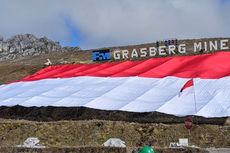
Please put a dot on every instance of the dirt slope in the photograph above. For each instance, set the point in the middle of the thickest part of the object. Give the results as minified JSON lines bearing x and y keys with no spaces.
{"x":82,"y":113}
{"x":96,"y":132}
{"x":17,"y":69}
{"x":95,"y":150}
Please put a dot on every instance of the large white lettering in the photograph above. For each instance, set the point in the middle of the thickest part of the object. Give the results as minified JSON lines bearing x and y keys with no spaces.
{"x":182,"y":48}
{"x":134,"y":54}
{"x":171,"y":49}
{"x":162,"y":51}
{"x":223,"y":44}
{"x":152,"y":51}
{"x":205,"y":46}
{"x":197,"y":47}
{"x":125,"y":54}
{"x":117,"y":55}
{"x":143,"y":52}
{"x":213,"y":46}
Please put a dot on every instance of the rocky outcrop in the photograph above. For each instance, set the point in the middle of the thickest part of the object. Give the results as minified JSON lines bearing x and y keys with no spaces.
{"x":28,"y":45}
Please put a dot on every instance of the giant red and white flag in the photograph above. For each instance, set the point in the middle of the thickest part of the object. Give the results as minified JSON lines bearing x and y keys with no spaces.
{"x":136,"y":86}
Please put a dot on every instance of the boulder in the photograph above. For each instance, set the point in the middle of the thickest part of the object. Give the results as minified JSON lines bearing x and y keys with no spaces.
{"x":114,"y":142}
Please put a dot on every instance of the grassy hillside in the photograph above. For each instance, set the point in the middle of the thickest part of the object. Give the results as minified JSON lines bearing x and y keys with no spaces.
{"x":95,"y":132}
{"x":17,"y":69}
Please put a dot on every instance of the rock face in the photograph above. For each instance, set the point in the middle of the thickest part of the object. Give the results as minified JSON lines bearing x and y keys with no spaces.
{"x":27,"y":45}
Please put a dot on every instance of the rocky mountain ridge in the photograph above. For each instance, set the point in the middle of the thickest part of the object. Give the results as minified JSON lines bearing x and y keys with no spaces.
{"x":23,"y":45}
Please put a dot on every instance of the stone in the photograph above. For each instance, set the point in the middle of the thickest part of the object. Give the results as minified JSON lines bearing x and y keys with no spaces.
{"x":114,"y":142}
{"x":227,"y":122}
{"x":174,"y":145}
{"x":31,"y":142}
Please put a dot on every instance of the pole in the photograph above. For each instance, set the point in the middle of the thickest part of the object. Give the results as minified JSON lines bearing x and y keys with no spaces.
{"x":194,"y":94}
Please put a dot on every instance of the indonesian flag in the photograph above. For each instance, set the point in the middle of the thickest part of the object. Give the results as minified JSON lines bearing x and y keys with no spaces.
{"x":136,"y":86}
{"x":188,"y":87}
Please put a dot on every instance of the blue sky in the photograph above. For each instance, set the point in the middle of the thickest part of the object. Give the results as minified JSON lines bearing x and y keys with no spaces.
{"x":75,"y":35}
{"x":101,"y":23}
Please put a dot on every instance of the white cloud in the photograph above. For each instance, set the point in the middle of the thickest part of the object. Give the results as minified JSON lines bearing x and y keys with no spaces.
{"x":117,"y":22}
